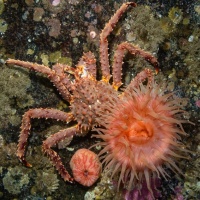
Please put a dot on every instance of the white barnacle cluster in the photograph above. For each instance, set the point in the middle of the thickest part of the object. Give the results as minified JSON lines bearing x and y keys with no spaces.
{"x":46,"y":182}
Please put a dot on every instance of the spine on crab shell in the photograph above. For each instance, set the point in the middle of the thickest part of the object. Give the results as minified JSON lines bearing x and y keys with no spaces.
{"x":104,"y":42}
{"x":87,"y":65}
{"x":61,"y":80}
{"x":90,"y":61}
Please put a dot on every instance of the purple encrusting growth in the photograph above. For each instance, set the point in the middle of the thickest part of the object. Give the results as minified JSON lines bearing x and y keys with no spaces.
{"x":144,"y":193}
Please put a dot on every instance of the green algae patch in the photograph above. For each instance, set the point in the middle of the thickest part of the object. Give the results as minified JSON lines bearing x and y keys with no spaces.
{"x":65,"y":60}
{"x":14,"y":83}
{"x":55,"y":56}
{"x":3,"y":26}
{"x":45,"y":59}
{"x":1,"y":7}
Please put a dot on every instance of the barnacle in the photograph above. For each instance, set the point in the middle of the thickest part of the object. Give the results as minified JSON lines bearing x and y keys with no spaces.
{"x":46,"y":181}
{"x":139,"y":29}
{"x":167,"y":25}
{"x":176,"y":15}
{"x":15,"y":179}
{"x":197,"y":187}
{"x":2,"y":142}
{"x":13,"y":84}
{"x":191,"y":47}
{"x":39,"y":160}
{"x":7,"y":154}
{"x":192,"y":183}
{"x":104,"y":188}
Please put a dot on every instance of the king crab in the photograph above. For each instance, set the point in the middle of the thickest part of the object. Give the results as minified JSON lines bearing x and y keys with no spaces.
{"x":85,"y":93}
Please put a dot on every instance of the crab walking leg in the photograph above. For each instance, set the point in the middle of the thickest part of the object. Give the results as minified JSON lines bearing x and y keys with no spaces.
{"x":141,"y":77}
{"x":104,"y":60}
{"x":52,"y":75}
{"x":61,"y":81}
{"x":34,"y":66}
{"x":118,"y":60}
{"x":26,"y":126}
{"x":54,"y":157}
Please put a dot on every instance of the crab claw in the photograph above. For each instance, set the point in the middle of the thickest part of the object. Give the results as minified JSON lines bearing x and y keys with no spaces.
{"x":24,"y":162}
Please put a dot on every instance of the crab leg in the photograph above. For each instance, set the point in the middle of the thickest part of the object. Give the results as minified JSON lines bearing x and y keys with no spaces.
{"x":26,"y":126}
{"x":104,"y":42}
{"x":141,"y":77}
{"x":118,"y":60}
{"x":34,"y":66}
{"x":54,"y":157}
{"x":61,"y":80}
{"x":54,"y":75}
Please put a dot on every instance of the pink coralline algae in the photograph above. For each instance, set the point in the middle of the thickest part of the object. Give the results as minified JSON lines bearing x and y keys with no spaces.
{"x":198,"y":103}
{"x":178,"y":193}
{"x":55,"y":2}
{"x":55,"y":27}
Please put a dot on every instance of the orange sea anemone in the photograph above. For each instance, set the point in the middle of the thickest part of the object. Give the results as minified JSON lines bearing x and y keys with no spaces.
{"x":141,"y":134}
{"x":85,"y":166}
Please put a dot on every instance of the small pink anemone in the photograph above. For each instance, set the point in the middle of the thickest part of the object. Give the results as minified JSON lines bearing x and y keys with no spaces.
{"x":85,"y":166}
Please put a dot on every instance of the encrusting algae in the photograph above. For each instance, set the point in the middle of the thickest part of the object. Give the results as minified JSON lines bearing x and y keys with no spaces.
{"x":15,"y":179}
{"x":138,"y":28}
{"x":46,"y":182}
{"x":14,"y":84}
{"x":175,"y":15}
